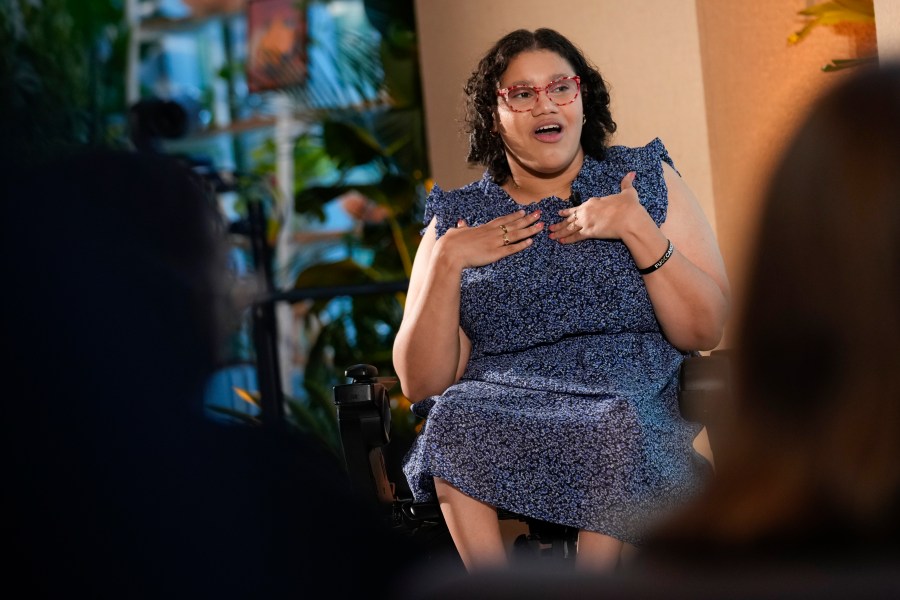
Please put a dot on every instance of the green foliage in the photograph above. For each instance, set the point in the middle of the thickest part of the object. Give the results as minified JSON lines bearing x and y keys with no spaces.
{"x":62,"y":65}
{"x":399,"y":49}
{"x":350,"y":145}
{"x":389,"y":142}
{"x":375,"y":150}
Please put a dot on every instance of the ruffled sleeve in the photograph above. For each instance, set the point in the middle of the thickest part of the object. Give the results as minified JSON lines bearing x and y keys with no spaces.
{"x":442,"y":206}
{"x":656,"y":151}
{"x":433,"y":199}
{"x":435,"y":206}
{"x":646,"y":162}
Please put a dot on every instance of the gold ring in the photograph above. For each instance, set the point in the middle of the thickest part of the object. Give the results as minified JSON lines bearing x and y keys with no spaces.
{"x":504,"y":230}
{"x":505,"y":238}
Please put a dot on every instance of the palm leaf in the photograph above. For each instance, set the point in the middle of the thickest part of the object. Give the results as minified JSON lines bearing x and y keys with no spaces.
{"x":839,"y":64}
{"x":344,"y":68}
{"x":834,"y":13}
{"x":350,"y":145}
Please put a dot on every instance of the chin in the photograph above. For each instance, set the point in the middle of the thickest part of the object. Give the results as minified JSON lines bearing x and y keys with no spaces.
{"x":550,"y":166}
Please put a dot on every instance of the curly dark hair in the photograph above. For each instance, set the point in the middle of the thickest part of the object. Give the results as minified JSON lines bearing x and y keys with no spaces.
{"x":487,"y":149}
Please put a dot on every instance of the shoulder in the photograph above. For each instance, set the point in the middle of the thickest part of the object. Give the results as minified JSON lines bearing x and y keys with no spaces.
{"x":439,"y":199}
{"x":448,"y":206}
{"x":649,"y":156}
{"x":477,"y":187}
{"x":647,"y":162}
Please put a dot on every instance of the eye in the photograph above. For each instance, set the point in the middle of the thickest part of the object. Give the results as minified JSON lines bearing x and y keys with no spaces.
{"x":520,"y":93}
{"x":560,"y":87}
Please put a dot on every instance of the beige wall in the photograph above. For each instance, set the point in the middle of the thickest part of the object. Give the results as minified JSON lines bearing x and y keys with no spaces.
{"x":651,"y":60}
{"x":887,"y":14}
{"x":715,"y":79}
{"x":757,"y":89}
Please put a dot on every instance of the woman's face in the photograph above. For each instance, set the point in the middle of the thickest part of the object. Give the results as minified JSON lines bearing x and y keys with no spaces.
{"x":547,"y":138}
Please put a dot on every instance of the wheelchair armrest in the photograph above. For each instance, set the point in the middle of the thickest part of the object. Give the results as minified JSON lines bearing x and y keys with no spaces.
{"x":705,"y":385}
{"x":364,"y":420}
{"x":422,"y":511}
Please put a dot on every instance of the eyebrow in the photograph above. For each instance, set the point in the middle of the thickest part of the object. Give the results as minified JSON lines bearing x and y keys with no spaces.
{"x":530,"y":84}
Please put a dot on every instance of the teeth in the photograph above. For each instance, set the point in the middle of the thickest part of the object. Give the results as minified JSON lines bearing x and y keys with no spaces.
{"x":547,"y":129}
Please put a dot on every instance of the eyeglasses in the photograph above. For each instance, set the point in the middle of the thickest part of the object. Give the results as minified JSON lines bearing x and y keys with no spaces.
{"x":522,"y":98}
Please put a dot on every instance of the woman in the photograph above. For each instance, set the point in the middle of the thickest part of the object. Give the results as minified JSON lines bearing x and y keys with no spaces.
{"x":549,"y":309}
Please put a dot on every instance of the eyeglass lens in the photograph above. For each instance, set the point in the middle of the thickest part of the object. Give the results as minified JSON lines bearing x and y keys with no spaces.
{"x":560,"y":92}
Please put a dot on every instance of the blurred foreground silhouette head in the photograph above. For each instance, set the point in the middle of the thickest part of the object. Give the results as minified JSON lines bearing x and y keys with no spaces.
{"x":115,"y":483}
{"x":810,"y":465}
{"x":116,"y":269}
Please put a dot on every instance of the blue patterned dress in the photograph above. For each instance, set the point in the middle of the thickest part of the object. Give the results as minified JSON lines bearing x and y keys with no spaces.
{"x":567,"y":410}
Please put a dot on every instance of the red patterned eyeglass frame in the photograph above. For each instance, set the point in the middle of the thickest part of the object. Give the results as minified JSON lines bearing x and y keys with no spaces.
{"x":504,"y":92}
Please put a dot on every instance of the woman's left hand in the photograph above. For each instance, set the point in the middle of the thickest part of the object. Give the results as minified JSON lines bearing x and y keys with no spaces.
{"x":599,"y":218}
{"x":690,"y":296}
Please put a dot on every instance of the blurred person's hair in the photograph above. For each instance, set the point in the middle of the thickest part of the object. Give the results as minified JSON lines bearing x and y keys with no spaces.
{"x":119,"y":262}
{"x":118,"y":484}
{"x":814,"y":439}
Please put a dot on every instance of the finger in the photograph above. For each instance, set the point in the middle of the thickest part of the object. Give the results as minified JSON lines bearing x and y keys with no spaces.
{"x":566,"y":224}
{"x":567,"y":236}
{"x":512,"y":248}
{"x":516,"y":235}
{"x":525,"y":221}
{"x":556,"y":227}
{"x":563,"y":229}
{"x":507,"y":219}
{"x":504,"y":223}
{"x":628,"y":180}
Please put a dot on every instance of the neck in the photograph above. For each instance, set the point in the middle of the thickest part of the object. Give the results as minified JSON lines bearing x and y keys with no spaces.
{"x":535,"y":190}
{"x":526,"y":187}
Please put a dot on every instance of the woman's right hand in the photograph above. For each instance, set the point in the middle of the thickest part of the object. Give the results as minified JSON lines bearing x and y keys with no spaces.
{"x":430,"y":349}
{"x":484,"y":244}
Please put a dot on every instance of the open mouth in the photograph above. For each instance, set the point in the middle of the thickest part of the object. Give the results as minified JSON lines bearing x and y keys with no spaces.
{"x":548,"y":130}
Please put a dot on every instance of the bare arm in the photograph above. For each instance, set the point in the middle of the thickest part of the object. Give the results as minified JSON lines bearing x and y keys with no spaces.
{"x":690,"y":293}
{"x":693,"y":299}
{"x":430,"y":350}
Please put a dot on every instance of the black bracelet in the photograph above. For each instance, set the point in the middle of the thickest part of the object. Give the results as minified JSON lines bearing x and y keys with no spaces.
{"x":661,"y":261}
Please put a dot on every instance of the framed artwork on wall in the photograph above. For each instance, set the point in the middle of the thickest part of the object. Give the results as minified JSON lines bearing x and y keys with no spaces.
{"x":276,"y":45}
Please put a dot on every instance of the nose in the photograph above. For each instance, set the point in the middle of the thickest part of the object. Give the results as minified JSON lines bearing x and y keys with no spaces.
{"x":543,"y":104}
